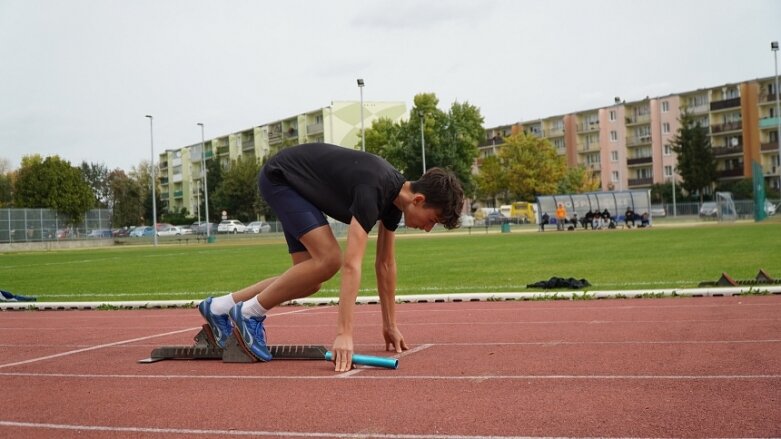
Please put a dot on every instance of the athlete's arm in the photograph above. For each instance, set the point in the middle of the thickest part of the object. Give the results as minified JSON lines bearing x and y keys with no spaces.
{"x":348,"y":292}
{"x":385,"y":268}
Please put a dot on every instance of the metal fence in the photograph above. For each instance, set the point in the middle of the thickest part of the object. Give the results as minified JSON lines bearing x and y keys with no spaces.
{"x":37,"y":225}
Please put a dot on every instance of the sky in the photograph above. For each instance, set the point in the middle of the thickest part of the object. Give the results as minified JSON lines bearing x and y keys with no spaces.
{"x":78,"y":77}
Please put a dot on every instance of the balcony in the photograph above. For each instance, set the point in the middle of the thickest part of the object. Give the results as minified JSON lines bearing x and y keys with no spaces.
{"x":769,"y":146}
{"x":555,"y":132}
{"x":588,"y":127}
{"x":178,"y":194}
{"x":730,"y":173}
{"x":248,"y":145}
{"x":638,"y":140}
{"x":639,"y":161}
{"x":493,"y":142}
{"x":726,"y":103}
{"x":768,"y":122}
{"x":727,"y":150}
{"x":641,"y":181}
{"x":274,"y":137}
{"x":315,"y":128}
{"x":767,"y":97}
{"x":638,"y":119}
{"x":736,"y":125}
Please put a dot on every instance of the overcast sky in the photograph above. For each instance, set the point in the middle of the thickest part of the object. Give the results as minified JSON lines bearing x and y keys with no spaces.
{"x":78,"y":76}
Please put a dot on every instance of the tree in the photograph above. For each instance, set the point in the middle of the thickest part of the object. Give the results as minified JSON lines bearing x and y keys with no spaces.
{"x":125,"y":199}
{"x":578,"y":180}
{"x":491,"y":182}
{"x":142,"y":175}
{"x":96,"y":176}
{"x":237,"y":193}
{"x":54,"y":184}
{"x":696,"y":162}
{"x":532,"y":165}
{"x":451,"y":139}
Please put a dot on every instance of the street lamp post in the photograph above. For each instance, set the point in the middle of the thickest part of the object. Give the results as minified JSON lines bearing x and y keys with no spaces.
{"x":152,"y":171}
{"x":774,"y":48}
{"x":205,"y":182}
{"x":422,"y":140}
{"x":363,"y":137}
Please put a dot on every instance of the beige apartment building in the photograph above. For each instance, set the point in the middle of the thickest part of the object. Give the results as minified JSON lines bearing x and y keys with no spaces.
{"x":626,"y":145}
{"x":181,"y":169}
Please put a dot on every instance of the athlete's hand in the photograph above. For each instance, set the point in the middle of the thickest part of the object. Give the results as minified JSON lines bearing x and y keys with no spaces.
{"x":394,"y":339}
{"x":343,"y":353}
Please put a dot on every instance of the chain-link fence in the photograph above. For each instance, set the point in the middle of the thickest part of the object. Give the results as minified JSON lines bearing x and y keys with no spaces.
{"x":37,"y":225}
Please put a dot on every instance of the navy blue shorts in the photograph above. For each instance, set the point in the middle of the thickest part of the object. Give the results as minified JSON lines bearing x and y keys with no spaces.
{"x":296,"y":214}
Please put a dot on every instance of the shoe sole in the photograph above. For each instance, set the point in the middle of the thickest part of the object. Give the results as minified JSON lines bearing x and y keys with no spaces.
{"x":242,"y":345}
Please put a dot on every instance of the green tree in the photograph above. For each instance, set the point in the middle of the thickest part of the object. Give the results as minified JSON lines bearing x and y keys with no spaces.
{"x":578,"y":180}
{"x":491,"y":182}
{"x":141,"y":175}
{"x":237,"y":193}
{"x":451,"y":139}
{"x":96,"y":176}
{"x":52,"y":183}
{"x":532,"y":165}
{"x":696,"y":162}
{"x":125,"y":199}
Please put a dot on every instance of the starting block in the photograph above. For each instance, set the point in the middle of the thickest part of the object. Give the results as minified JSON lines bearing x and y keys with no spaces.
{"x":205,"y":348}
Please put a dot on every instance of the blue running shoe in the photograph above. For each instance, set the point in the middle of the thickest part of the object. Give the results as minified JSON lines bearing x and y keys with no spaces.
{"x":220,"y":324}
{"x":251,"y":333}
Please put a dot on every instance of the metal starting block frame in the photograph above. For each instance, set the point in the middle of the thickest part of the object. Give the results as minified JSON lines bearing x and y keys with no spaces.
{"x":205,"y":348}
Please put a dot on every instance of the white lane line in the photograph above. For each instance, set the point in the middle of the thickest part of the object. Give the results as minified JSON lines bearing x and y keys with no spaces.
{"x":108,"y":345}
{"x":301,"y":434}
{"x":357,"y":370}
{"x":397,"y":377}
{"x":92,"y":348}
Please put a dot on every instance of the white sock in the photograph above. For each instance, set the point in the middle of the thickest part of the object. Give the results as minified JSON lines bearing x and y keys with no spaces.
{"x":221,"y":305}
{"x":253,"y":308}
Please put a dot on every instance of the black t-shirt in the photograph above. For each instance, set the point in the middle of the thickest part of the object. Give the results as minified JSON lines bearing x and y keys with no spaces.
{"x":342,"y":182}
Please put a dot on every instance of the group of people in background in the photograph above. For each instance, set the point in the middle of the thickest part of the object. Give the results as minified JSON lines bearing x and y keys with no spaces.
{"x":596,"y":219}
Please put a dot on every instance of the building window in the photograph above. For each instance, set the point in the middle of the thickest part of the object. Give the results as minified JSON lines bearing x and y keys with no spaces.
{"x":613,"y":156}
{"x":668,"y":171}
{"x":665,"y":106}
{"x":612,"y":115}
{"x":614,"y":136}
{"x":614,"y":176}
{"x":668,"y":150}
{"x":666,"y":127}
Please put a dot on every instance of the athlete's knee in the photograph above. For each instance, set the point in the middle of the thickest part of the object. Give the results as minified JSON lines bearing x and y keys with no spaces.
{"x":330,"y":262}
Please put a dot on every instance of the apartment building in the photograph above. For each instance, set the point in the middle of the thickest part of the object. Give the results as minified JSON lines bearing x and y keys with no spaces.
{"x":626,"y":145}
{"x":182,"y":169}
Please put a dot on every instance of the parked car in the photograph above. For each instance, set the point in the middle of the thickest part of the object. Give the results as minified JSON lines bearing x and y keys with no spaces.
{"x":199,"y":227}
{"x":495,"y":218}
{"x":99,"y":233}
{"x":140,"y":231}
{"x":122,"y":232}
{"x":169,"y":230}
{"x":231,"y":226}
{"x":709,"y":210}
{"x":258,"y":227}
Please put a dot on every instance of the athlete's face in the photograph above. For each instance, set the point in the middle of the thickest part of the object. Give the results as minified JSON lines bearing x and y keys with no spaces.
{"x":417,"y":216}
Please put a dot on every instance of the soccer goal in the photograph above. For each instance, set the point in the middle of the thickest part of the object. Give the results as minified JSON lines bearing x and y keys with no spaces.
{"x":726,"y":207}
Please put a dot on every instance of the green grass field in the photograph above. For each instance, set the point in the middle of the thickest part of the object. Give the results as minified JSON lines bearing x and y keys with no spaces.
{"x":662,"y":257}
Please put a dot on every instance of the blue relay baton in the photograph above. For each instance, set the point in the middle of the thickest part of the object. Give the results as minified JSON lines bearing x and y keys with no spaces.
{"x":368,"y":360}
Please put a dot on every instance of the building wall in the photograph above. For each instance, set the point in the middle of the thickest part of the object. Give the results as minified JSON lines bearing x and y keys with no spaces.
{"x":181,"y":169}
{"x":741,"y":120}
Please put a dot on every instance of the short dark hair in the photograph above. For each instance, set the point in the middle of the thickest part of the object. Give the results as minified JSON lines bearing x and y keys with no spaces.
{"x":443,"y":191}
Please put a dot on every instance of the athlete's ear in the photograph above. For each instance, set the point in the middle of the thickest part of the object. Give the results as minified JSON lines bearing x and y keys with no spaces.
{"x":418,"y":199}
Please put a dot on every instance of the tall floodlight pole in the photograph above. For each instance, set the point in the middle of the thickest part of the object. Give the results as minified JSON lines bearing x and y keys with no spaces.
{"x":205,"y":181}
{"x":152,"y":171}
{"x":422,"y":140}
{"x":198,"y":205}
{"x":774,"y":48}
{"x":363,"y":137}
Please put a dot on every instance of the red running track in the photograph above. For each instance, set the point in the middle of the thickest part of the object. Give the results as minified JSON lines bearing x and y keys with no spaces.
{"x":684,"y":367}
